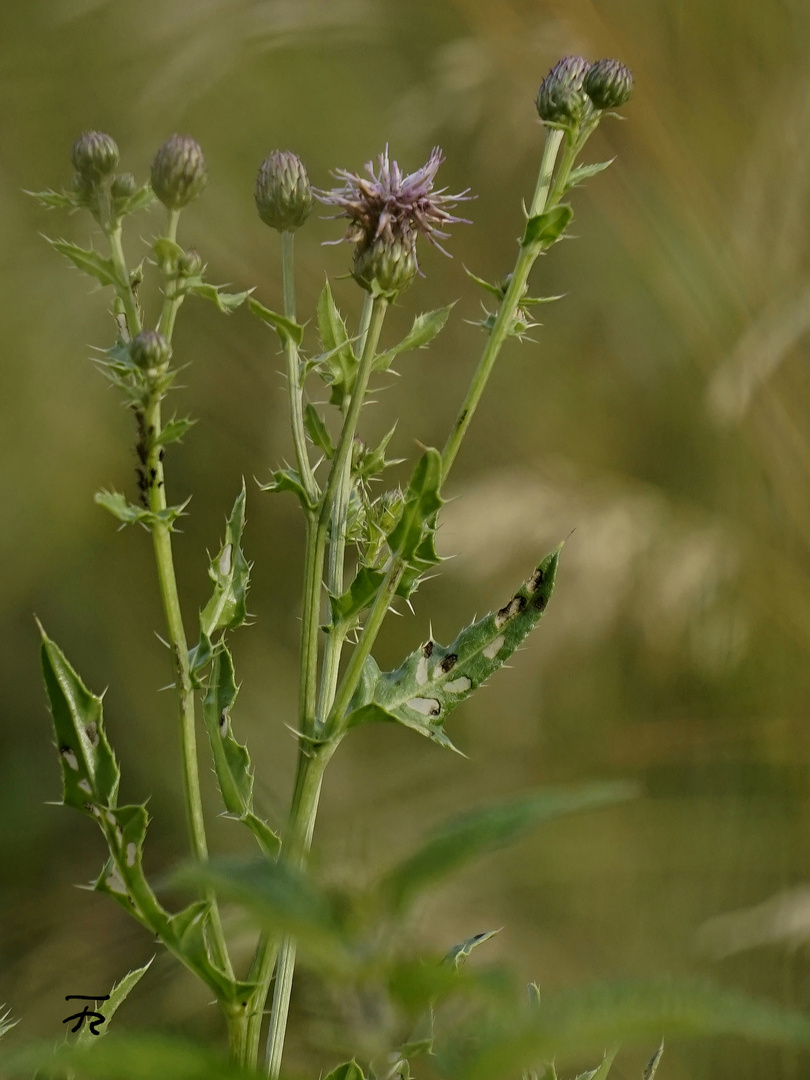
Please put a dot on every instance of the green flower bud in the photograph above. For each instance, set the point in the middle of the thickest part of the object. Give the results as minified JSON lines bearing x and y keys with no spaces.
{"x":386,"y":266}
{"x":179,"y":172}
{"x":283,"y":194}
{"x":561,"y":98}
{"x":94,"y":155}
{"x":150,"y":350}
{"x":609,"y":84}
{"x":190,"y":264}
{"x":124,"y":186}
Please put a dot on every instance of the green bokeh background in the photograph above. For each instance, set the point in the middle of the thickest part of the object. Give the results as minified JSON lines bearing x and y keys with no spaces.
{"x":662,"y":414}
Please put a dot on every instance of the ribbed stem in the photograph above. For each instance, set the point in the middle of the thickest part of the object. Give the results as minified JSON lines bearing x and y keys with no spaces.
{"x":294,"y":371}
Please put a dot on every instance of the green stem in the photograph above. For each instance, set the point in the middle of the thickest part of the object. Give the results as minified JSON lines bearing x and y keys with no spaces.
{"x":543,"y":199}
{"x":294,"y":371}
{"x":171,"y":298}
{"x":125,"y":293}
{"x":337,"y":553}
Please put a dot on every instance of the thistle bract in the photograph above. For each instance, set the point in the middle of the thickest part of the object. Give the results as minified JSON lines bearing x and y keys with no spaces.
{"x":561,"y":98}
{"x":395,"y":209}
{"x":123,"y":186}
{"x":150,"y":349}
{"x":179,"y":172}
{"x":386,"y":267}
{"x":94,"y":156}
{"x":283,"y":193}
{"x":609,"y":84}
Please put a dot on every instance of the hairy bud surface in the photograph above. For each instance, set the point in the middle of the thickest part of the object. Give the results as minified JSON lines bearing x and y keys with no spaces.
{"x":561,"y":98}
{"x":179,"y":172}
{"x":283,"y":193}
{"x":609,"y":84}
{"x":150,"y":349}
{"x":94,"y":156}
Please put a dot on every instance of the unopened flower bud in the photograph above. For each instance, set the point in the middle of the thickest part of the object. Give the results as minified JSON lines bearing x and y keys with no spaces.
{"x":124,"y":186}
{"x":609,"y":84}
{"x":283,"y":193}
{"x":150,"y":350}
{"x":561,"y":98}
{"x":391,"y":264}
{"x":190,"y":264}
{"x":179,"y":172}
{"x":94,"y":156}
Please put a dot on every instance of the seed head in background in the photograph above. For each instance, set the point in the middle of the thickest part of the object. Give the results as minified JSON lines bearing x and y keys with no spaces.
{"x":283,"y":192}
{"x":179,"y":172}
{"x":387,"y":212}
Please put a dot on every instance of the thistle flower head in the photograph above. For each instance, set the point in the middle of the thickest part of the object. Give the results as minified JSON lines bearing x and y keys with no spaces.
{"x":150,"y":350}
{"x":609,"y":84}
{"x":387,"y":212}
{"x":283,"y":193}
{"x":94,"y":155}
{"x":561,"y":98}
{"x":179,"y":171}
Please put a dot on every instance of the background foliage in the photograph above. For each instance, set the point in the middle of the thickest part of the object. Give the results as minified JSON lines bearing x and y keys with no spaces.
{"x":663,"y":416}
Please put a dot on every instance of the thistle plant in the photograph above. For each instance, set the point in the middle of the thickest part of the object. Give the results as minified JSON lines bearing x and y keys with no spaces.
{"x":364,"y":553}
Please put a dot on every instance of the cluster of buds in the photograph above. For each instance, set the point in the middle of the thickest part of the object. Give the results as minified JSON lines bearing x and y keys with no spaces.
{"x":575,"y":90}
{"x":387,"y":212}
{"x":283,"y":193}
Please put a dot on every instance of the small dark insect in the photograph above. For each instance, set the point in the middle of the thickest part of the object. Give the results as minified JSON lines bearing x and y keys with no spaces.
{"x":449,"y":662}
{"x":537,"y":579}
{"x":428,"y":648}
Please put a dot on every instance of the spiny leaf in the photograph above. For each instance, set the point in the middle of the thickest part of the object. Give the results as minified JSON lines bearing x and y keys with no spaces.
{"x":288,"y":480}
{"x":139,"y":200}
{"x":459,"y":953}
{"x":587,"y":1018}
{"x":603,"y":1069}
{"x":357,"y":597}
{"x":470,"y":835}
{"x":6,"y":1024}
{"x":118,"y":995}
{"x":90,"y":773}
{"x":349,"y":1070}
{"x":434,"y":680}
{"x":422,"y":503}
{"x":339,"y":356}
{"x":167,"y":252}
{"x":231,"y":759}
{"x":286,"y":329}
{"x":424,"y":330}
{"x":585,"y":172}
{"x":546,"y":228}
{"x":61,"y":200}
{"x":317,"y":431}
{"x":174,"y":430}
{"x":215,"y":294}
{"x":495,"y":290}
{"x":230,"y":573}
{"x":90,"y":262}
{"x":653,"y":1063}
{"x":130,"y":514}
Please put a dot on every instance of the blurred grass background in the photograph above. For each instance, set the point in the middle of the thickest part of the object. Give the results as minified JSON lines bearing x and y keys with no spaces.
{"x":662,"y":415}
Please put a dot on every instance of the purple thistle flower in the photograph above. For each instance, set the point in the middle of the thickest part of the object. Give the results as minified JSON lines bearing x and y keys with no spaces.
{"x":387,"y":206}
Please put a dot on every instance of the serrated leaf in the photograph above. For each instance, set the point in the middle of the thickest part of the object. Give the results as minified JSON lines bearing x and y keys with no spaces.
{"x":424,"y":330}
{"x":435,"y":679}
{"x":55,"y":200}
{"x":187,"y":931}
{"x":349,"y":1070}
{"x":174,"y":430}
{"x":317,"y":431}
{"x":422,"y":503}
{"x":459,"y":953}
{"x":469,"y":836}
{"x":357,"y":597}
{"x":167,"y":251}
{"x":585,"y":172}
{"x":90,"y":262}
{"x":287,"y":480}
{"x":284,"y":327}
{"x":90,"y":773}
{"x":130,"y":514}
{"x":341,"y":363}
{"x":423,"y":559}
{"x":546,"y":228}
{"x":139,"y":200}
{"x":231,"y":759}
{"x":215,"y":294}
{"x":230,"y":573}
{"x":653,"y":1063}
{"x":587,"y":1018}
{"x":495,"y":290}
{"x":118,"y":995}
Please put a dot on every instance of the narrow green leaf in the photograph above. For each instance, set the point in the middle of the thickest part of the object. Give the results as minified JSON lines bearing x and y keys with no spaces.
{"x":284,"y":327}
{"x":5,"y":1024}
{"x":118,"y":995}
{"x":653,"y":1063}
{"x":358,"y":596}
{"x":129,"y":514}
{"x":459,"y":953}
{"x":603,"y":1069}
{"x":435,"y":679}
{"x":90,"y":262}
{"x":349,"y":1070}
{"x":546,"y":228}
{"x":424,"y":330}
{"x":422,"y":503}
{"x":287,"y":480}
{"x":230,"y":573}
{"x":585,"y":172}
{"x":215,"y":294}
{"x":174,"y":430}
{"x":317,"y":431}
{"x":167,"y":251}
{"x":341,"y":363}
{"x":90,"y":773}
{"x":495,"y":290}
{"x":55,"y":200}
{"x":479,"y":831}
